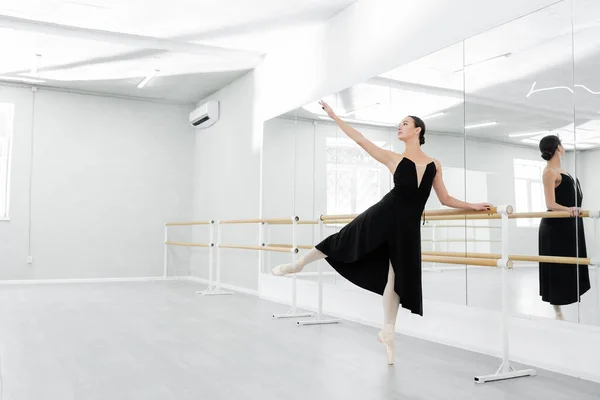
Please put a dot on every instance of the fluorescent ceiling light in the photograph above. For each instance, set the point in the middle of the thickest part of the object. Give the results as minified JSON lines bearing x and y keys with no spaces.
{"x":20,"y":79}
{"x":434,"y":115}
{"x":148,"y":79}
{"x":528,"y":134}
{"x":358,"y":109}
{"x":357,"y":121}
{"x":484,"y":124}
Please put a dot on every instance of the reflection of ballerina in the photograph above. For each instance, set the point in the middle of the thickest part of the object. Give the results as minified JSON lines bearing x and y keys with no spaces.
{"x":559,"y":283}
{"x":380,"y":250}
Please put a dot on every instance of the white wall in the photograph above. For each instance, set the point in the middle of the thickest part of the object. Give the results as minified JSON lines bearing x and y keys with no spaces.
{"x":227,"y":182}
{"x":106,"y":174}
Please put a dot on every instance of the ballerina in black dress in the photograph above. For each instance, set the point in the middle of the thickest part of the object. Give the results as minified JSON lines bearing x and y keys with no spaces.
{"x":380,"y":250}
{"x":561,"y":284}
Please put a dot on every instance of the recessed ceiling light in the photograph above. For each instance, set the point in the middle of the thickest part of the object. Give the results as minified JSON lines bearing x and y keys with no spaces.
{"x":515,"y":135}
{"x":148,"y":79}
{"x":434,"y":115}
{"x":484,"y":124}
{"x":357,"y":121}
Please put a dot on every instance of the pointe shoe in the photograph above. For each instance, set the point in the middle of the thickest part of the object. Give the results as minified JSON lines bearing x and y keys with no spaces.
{"x":390,"y":344}
{"x":560,"y":317}
{"x":285,"y":269}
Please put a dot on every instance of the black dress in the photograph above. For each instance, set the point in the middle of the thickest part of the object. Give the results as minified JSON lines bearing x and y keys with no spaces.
{"x":559,"y":283}
{"x":386,"y":232}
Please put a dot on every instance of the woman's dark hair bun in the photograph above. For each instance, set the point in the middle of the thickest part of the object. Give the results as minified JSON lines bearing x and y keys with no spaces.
{"x":548,"y":146}
{"x":419,"y":124}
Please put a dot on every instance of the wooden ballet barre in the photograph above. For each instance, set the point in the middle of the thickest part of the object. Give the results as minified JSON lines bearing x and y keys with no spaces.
{"x":272,"y":221}
{"x":524,"y":258}
{"x":434,"y":214}
{"x":289,"y":246}
{"x":460,"y":212}
{"x":189,"y":223}
{"x":308,"y":222}
{"x":189,"y":244}
{"x":259,"y":248}
{"x":482,"y":262}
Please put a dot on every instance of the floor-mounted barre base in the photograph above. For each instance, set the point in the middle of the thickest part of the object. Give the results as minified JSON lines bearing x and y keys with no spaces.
{"x":499,"y":376}
{"x":289,"y":314}
{"x":213,"y":292}
{"x":318,"y":321}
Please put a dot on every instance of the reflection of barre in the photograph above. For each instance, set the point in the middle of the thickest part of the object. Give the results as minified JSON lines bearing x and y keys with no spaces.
{"x":546,"y":259}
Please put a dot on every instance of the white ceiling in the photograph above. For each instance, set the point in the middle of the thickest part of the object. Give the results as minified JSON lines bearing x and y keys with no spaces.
{"x":502,"y":66}
{"x":110,"y":46}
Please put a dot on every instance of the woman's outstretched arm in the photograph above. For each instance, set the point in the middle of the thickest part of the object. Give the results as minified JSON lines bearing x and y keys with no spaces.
{"x":449,"y":201}
{"x":386,"y":157}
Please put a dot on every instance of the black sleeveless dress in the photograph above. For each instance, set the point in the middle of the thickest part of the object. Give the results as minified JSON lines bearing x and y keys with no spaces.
{"x":386,"y":232}
{"x":561,"y":284}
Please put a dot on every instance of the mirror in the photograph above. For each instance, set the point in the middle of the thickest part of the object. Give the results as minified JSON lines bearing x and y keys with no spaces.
{"x":586,"y":34}
{"x":518,"y":90}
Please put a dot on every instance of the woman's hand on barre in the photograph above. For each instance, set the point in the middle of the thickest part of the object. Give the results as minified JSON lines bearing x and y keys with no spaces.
{"x":480,"y":206}
{"x":574,"y":211}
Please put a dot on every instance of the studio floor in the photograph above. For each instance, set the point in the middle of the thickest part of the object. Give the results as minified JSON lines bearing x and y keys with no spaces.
{"x":159,"y":340}
{"x":482,"y":288}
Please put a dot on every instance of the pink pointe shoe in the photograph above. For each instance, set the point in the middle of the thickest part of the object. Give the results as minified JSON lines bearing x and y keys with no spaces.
{"x":388,"y":340}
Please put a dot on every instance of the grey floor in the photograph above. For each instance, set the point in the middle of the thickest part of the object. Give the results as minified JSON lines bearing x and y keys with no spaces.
{"x":158,"y":340}
{"x":482,"y":288}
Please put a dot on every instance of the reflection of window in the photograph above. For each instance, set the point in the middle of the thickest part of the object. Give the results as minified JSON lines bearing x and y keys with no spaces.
{"x":6,"y":132}
{"x":353,"y":181}
{"x":529,"y":189}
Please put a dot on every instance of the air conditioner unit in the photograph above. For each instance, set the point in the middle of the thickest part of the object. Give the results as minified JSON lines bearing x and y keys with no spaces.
{"x":206,"y":115}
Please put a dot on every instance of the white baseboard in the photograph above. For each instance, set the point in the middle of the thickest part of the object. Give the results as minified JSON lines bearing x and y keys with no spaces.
{"x":223,"y":285}
{"x":87,"y":280}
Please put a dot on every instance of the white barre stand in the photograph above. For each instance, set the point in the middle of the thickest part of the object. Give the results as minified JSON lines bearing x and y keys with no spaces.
{"x":505,"y":371}
{"x":595,"y":262}
{"x":293,"y":311}
{"x":214,"y":289}
{"x":319,"y":319}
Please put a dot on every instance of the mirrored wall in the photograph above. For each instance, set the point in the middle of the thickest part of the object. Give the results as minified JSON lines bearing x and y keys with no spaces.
{"x":513,"y":116}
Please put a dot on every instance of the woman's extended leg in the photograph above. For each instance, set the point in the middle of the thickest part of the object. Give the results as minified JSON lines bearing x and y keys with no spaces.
{"x":291,"y":268}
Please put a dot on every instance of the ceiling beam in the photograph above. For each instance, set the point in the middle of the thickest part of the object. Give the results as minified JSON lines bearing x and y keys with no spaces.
{"x":145,"y":42}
